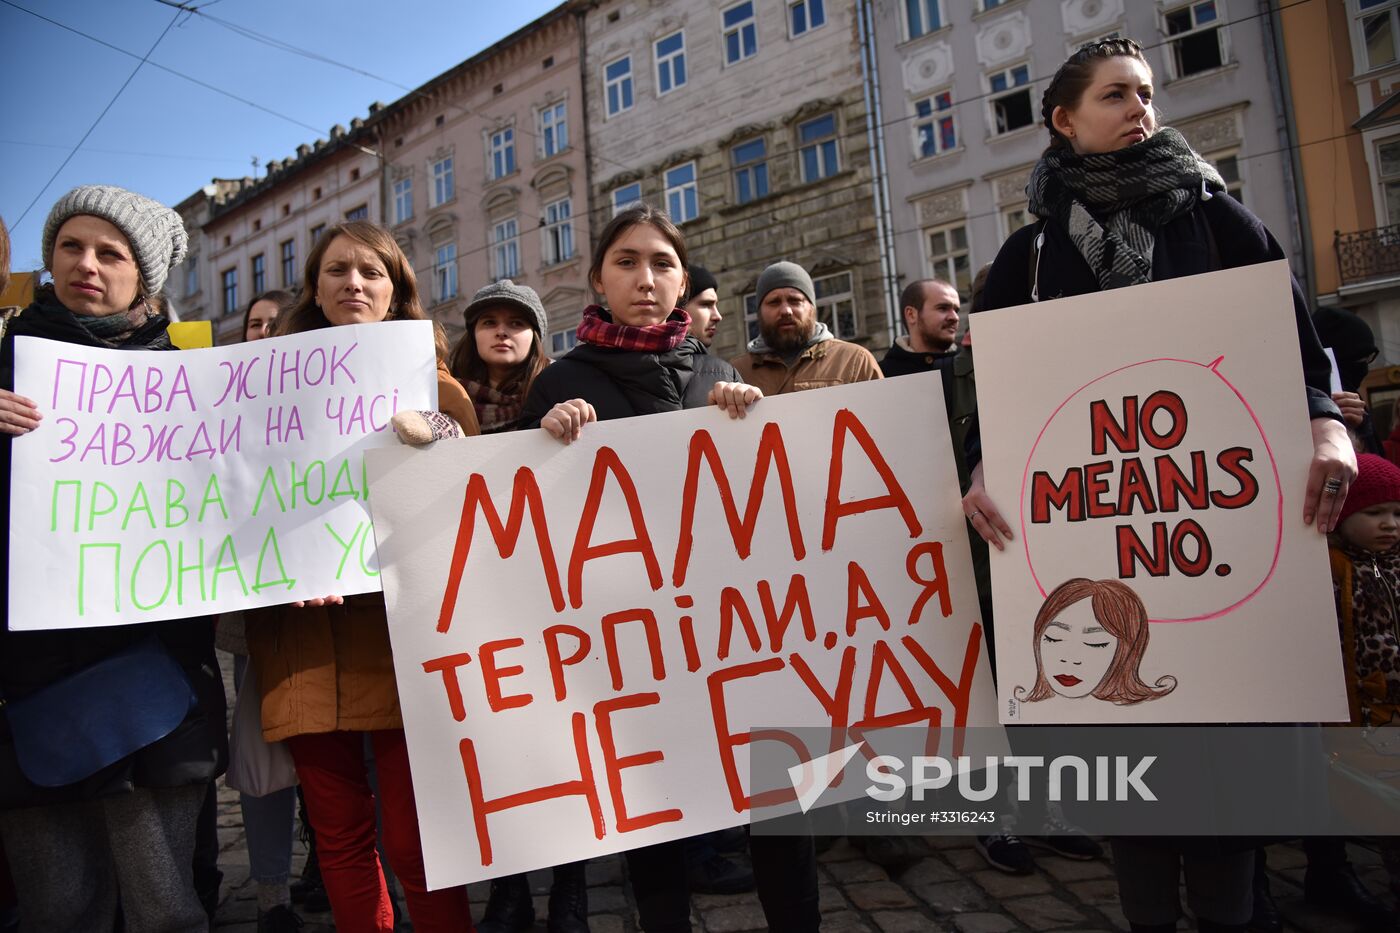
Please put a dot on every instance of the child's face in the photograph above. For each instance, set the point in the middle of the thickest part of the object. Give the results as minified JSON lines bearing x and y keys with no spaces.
{"x":1376,"y":528}
{"x":1076,"y":651}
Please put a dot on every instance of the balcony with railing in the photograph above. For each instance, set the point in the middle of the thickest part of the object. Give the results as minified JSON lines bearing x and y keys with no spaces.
{"x":1368,"y":255}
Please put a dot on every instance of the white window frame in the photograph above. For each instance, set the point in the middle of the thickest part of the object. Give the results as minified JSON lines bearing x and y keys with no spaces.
{"x":445,"y":271}
{"x":444,"y":187}
{"x":807,"y":6}
{"x":668,"y":63}
{"x":1359,"y":17}
{"x":557,"y":234}
{"x":505,"y":249}
{"x":500,"y":153}
{"x":403,"y":200}
{"x":619,"y":205}
{"x":1007,"y":217}
{"x":191,"y":274}
{"x":1236,"y":190}
{"x":1222,"y":36}
{"x":562,"y":341}
{"x":679,"y":189}
{"x":738,"y":29}
{"x":753,"y":324}
{"x":626,"y":91}
{"x":932,"y":121}
{"x":924,"y":6}
{"x":1027,"y":88}
{"x":1382,"y":209}
{"x":819,"y":147}
{"x":945,"y":265}
{"x":553,"y":121}
{"x":827,"y":305}
{"x":754,"y":169}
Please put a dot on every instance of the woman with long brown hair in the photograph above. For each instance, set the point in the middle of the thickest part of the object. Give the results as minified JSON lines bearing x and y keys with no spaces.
{"x":325,"y":667}
{"x":502,"y":352}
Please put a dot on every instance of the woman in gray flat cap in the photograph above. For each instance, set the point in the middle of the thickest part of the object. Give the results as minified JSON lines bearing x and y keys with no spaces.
{"x":110,"y":819}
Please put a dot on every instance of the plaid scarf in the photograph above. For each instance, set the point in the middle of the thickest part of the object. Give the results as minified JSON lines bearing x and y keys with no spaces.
{"x":1136,"y":189}
{"x":599,"y":329}
{"x":494,"y":409}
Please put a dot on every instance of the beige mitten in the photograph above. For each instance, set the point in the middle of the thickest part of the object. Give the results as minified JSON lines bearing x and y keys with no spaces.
{"x":423,"y":427}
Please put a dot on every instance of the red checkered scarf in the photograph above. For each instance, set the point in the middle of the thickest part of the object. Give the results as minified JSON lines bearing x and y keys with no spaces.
{"x":599,"y":329}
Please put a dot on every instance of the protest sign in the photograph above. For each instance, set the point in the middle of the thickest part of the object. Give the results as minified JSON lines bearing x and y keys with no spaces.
{"x":585,"y":635}
{"x":1162,"y":447}
{"x":173,"y":485}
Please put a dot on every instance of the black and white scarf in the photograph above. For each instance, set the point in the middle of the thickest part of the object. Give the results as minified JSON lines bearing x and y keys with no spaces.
{"x":1135,"y":190}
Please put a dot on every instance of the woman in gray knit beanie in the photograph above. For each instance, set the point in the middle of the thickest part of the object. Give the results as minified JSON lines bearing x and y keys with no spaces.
{"x":116,"y":823}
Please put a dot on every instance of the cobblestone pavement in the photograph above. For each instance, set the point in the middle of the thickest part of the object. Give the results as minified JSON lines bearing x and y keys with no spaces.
{"x":949,"y":889}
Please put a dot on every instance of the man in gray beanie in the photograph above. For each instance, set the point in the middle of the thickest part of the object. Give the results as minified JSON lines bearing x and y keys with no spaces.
{"x":795,"y":351}
{"x":155,"y":232}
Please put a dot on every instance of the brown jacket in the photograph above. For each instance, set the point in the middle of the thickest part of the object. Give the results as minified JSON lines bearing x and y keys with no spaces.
{"x":829,"y":363}
{"x":329,"y":668}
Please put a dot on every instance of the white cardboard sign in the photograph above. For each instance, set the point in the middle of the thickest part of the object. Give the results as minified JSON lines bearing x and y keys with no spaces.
{"x":584,"y":635}
{"x":1157,"y":437}
{"x":175,"y":485}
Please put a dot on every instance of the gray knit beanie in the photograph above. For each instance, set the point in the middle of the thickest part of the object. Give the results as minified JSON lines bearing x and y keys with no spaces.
{"x":506,"y":292}
{"x":786,"y":275}
{"x":155,"y":232}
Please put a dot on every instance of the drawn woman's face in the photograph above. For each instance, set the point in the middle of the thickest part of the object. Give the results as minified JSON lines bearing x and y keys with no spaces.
{"x":1075,"y":651}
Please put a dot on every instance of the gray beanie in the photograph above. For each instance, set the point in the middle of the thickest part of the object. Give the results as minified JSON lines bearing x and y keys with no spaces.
{"x":786,"y":275}
{"x":155,"y":232}
{"x":506,"y":292}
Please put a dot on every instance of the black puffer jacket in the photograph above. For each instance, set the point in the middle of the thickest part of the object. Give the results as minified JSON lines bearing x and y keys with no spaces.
{"x":197,"y":751}
{"x":624,"y":383}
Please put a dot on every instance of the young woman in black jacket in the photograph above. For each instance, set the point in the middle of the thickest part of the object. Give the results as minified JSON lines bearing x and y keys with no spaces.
{"x":1121,"y":202}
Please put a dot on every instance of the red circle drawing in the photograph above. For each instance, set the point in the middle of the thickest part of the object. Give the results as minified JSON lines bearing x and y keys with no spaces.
{"x":1212,"y":367}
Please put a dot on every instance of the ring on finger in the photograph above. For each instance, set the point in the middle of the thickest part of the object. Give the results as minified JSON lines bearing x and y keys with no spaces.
{"x":975,"y":513}
{"x":1332,"y":486}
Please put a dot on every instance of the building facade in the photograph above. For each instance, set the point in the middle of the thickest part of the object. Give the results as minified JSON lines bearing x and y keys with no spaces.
{"x":960,"y":88}
{"x":747,"y":122}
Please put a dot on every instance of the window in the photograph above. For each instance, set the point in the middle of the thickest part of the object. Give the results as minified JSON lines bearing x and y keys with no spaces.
{"x":836,"y":305}
{"x":554,"y":130}
{"x":354,"y":174}
{"x":289,"y":263}
{"x":1011,"y":99}
{"x":682,"y":195}
{"x":403,"y":200}
{"x":750,"y":170}
{"x":740,"y":33}
{"x":562,"y":342}
{"x":358,"y":213}
{"x":316,"y":232}
{"x":991,"y":4}
{"x":444,"y":187}
{"x":1388,"y":171}
{"x":445,"y":272}
{"x":1379,"y":27}
{"x":670,"y":62}
{"x":558,"y":232}
{"x":924,"y":16}
{"x":817,"y":139}
{"x":1013,"y":218}
{"x":617,"y":85}
{"x":804,"y":15}
{"x":751,"y":322}
{"x":191,"y":274}
{"x":935,"y":128}
{"x":505,"y":252}
{"x":625,"y":197}
{"x":316,"y":194}
{"x":1228,"y":165}
{"x":1196,"y":40}
{"x":259,"y":274}
{"x":948,"y":257}
{"x":501,"y":161}
{"x":230,"y":291}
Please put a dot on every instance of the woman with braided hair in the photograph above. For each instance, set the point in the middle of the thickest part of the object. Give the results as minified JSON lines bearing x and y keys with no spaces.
{"x":1122,"y":201}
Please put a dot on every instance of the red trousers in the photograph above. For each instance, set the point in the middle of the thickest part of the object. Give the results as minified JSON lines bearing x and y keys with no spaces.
{"x":340,"y":803}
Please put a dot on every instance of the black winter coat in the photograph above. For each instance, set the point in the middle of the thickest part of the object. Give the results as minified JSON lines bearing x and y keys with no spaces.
{"x":197,"y":751}
{"x":600,"y":376}
{"x":1218,"y":234}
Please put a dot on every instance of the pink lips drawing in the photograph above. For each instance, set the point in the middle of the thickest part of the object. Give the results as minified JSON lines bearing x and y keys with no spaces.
{"x":1067,"y":680}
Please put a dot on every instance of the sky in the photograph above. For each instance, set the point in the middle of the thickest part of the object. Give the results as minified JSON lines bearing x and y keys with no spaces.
{"x":166,"y":135}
